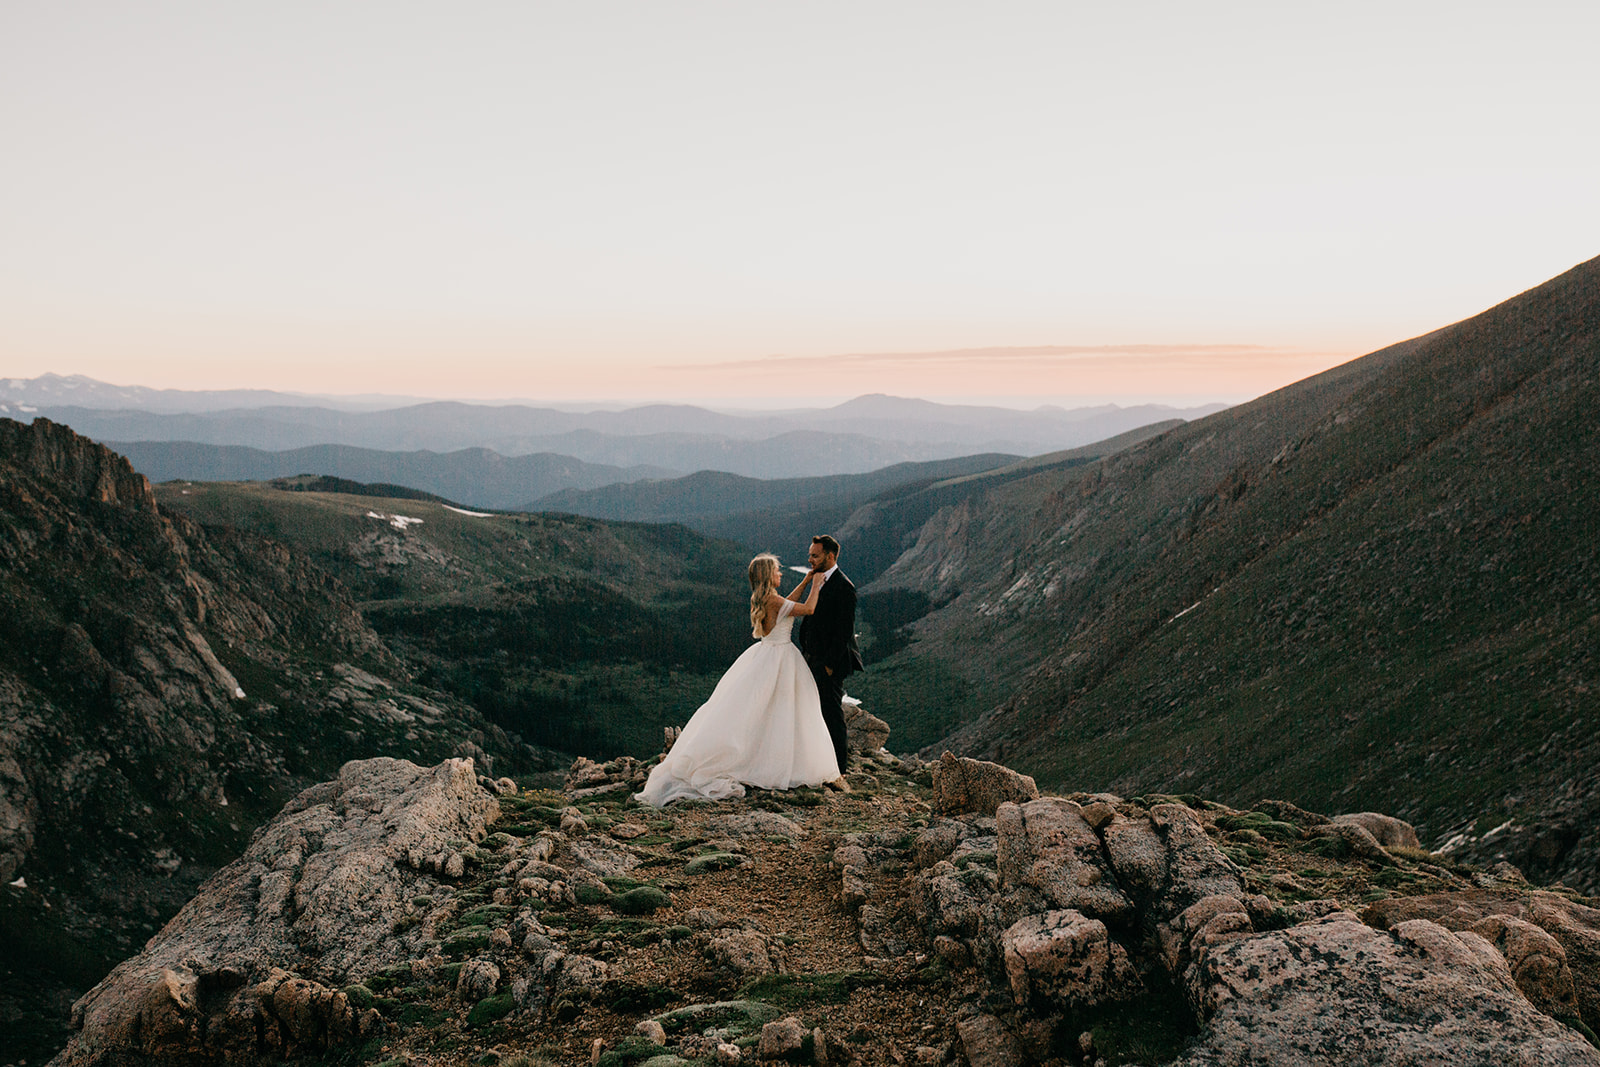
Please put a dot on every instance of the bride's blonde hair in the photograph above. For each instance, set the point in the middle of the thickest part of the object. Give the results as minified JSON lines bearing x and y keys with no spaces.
{"x":763,"y":580}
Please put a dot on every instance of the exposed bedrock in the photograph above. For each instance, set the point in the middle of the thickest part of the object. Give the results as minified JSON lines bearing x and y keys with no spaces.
{"x":1095,"y":900}
{"x":253,"y":966}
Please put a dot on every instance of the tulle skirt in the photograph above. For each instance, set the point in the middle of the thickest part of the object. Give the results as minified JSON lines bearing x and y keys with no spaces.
{"x":762,"y":726}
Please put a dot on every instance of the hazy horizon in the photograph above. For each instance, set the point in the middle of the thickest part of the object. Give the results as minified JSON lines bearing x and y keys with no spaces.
{"x":757,"y":206}
{"x":724,"y":404}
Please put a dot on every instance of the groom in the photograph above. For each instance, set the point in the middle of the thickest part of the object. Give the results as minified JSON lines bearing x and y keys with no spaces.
{"x":827,"y":639}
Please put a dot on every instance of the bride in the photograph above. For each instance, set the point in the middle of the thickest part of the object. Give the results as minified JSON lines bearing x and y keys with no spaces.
{"x":763,"y":724}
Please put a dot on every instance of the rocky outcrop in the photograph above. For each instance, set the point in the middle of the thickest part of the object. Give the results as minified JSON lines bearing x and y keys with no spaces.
{"x":1334,"y":988}
{"x":1093,"y":896}
{"x":864,"y":731}
{"x":1574,"y":927}
{"x":963,"y":785}
{"x":325,"y":896}
{"x":1068,"y":958}
{"x":837,"y":928}
{"x":76,"y":468}
{"x":1386,"y":830}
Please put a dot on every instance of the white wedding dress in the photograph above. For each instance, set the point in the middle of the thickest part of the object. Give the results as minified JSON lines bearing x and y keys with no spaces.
{"x":762,"y":726}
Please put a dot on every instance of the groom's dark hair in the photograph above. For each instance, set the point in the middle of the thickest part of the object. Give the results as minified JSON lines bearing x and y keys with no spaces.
{"x":829,"y":545}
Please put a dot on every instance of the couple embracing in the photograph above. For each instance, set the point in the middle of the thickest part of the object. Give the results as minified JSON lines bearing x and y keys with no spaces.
{"x":775,"y":718}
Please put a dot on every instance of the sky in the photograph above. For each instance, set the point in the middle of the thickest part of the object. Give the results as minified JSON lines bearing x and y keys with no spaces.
{"x":771,"y":203}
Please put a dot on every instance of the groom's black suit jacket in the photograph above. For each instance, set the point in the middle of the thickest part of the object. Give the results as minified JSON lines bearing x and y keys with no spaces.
{"x":827,"y":637}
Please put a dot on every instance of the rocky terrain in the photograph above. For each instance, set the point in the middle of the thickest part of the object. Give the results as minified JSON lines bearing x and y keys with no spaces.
{"x":944,"y":913}
{"x":1375,"y":588}
{"x":164,"y":688}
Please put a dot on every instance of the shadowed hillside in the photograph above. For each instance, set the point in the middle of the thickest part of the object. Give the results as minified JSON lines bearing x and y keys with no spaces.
{"x":163,"y":689}
{"x":1375,"y":588}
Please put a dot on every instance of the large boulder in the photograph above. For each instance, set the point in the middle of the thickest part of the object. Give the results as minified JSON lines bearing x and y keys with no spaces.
{"x":1389,"y":831}
{"x":962,"y":785}
{"x":1336,"y":990}
{"x":1537,"y":962}
{"x":1048,"y":855}
{"x":1166,"y":862}
{"x":1574,"y":926}
{"x":251,"y":966}
{"x":1066,"y":958}
{"x":987,"y":1043}
{"x":864,"y":731}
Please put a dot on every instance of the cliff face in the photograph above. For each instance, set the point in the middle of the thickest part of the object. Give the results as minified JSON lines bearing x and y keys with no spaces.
{"x":163,"y":688}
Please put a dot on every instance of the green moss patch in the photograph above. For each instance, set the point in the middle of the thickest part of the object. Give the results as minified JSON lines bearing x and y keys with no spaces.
{"x":489,"y":1009}
{"x":712,"y":861}
{"x":736,"y":1016}
{"x":644,"y":900}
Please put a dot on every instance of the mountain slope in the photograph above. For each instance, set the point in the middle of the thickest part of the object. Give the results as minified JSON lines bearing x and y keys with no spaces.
{"x":163,"y":688}
{"x":573,"y":632}
{"x":1374,"y":588}
{"x":474,"y":476}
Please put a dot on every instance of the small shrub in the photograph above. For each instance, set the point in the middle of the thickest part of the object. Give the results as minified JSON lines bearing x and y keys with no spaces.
{"x":621,"y":883}
{"x":790,"y":991}
{"x":419,"y":1016}
{"x":485,"y":915}
{"x":360,"y":997}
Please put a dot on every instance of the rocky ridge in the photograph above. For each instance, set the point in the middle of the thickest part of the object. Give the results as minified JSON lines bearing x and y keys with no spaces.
{"x":943,"y":913}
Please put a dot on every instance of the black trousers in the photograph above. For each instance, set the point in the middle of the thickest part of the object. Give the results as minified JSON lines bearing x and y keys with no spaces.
{"x":830,"y":687}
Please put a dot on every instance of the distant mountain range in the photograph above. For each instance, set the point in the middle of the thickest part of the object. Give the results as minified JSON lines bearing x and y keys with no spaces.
{"x":76,"y":390}
{"x":875,"y":515}
{"x":861,"y":435}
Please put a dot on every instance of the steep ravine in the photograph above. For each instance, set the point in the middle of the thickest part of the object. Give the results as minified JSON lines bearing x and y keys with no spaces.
{"x":1375,"y":587}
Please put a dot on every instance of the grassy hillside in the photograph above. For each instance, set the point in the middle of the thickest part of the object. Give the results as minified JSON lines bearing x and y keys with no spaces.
{"x":475,"y":476}
{"x":1376,"y":588}
{"x":578,"y":634}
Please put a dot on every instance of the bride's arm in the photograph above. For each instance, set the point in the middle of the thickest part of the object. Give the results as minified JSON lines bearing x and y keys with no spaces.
{"x":801,"y":584}
{"x":811,"y":601}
